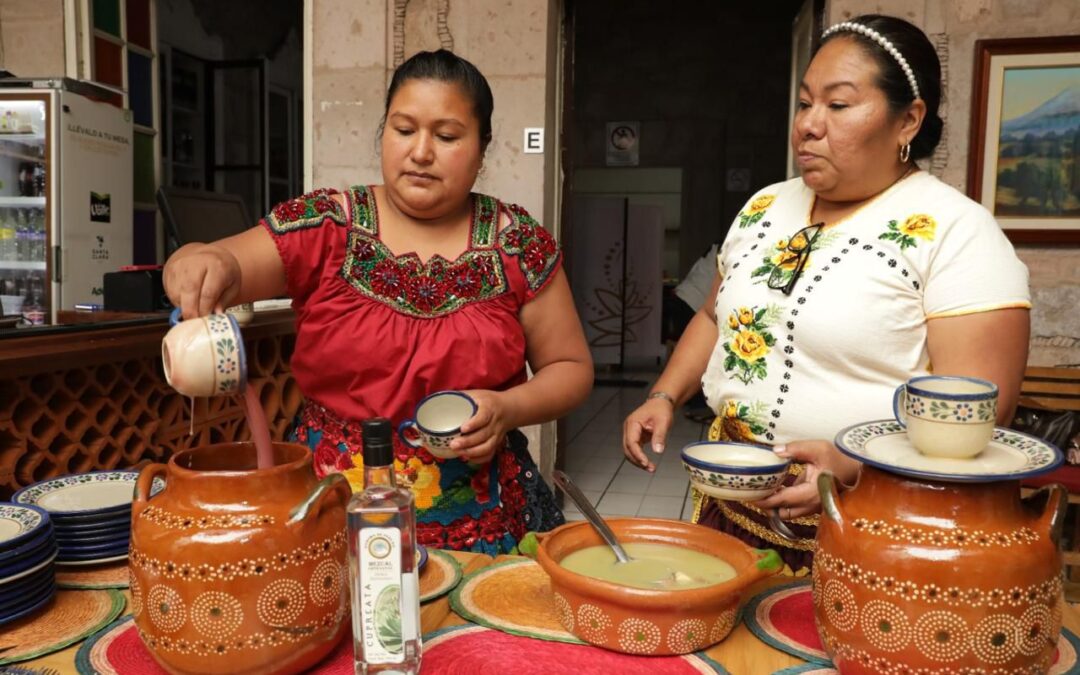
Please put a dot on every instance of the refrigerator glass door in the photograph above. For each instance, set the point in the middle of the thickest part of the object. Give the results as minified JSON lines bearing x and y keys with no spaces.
{"x":25,"y":172}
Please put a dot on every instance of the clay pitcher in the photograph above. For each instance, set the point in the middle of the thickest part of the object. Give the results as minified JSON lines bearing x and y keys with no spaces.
{"x":236,"y":569}
{"x":924,"y":576}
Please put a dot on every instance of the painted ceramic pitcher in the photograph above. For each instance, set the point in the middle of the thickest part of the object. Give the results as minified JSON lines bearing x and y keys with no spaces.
{"x":236,"y":569}
{"x":932,"y":577}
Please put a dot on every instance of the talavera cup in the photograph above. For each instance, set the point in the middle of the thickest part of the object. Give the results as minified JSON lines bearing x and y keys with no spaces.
{"x":204,"y":356}
{"x":947,"y":416}
{"x":437,"y":422}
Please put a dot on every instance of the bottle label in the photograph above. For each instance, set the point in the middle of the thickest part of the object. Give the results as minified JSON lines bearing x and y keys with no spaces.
{"x":381,"y":594}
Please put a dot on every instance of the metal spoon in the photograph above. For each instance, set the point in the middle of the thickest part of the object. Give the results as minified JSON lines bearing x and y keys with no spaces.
{"x":591,"y":514}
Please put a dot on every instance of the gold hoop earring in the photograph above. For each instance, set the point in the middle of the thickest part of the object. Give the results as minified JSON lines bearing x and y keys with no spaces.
{"x":905,"y":153}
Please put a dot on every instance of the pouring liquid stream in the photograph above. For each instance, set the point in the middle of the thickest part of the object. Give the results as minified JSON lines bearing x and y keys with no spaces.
{"x":260,"y":430}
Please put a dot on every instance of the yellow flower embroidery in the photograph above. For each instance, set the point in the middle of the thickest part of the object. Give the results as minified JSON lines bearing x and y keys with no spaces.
{"x":749,"y":346}
{"x":742,"y":421}
{"x":733,"y":321}
{"x":745,"y":316}
{"x":786,"y":260}
{"x":760,"y":204}
{"x":921,"y":226}
{"x":731,"y":409}
{"x":425,"y":486}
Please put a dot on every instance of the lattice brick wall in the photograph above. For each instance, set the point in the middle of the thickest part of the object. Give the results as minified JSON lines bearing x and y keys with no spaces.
{"x":123,"y":414}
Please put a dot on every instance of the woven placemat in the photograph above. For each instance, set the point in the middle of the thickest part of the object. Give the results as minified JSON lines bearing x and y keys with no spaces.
{"x":468,"y":649}
{"x":70,"y":617}
{"x":514,"y":597}
{"x":783,"y":617}
{"x":118,"y":650}
{"x":439,"y":576}
{"x":109,"y":575}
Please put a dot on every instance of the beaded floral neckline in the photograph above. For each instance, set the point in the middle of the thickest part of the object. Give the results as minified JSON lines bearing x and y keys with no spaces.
{"x":412,"y":287}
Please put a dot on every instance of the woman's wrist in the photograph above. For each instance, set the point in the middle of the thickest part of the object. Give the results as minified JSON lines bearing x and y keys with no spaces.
{"x":662,"y":395}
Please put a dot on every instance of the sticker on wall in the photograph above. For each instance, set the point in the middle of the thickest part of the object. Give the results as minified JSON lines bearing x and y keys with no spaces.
{"x":623,"y":139}
{"x":100,"y":207}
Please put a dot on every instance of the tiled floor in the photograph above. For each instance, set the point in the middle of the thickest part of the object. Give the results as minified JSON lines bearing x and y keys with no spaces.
{"x":594,"y":459}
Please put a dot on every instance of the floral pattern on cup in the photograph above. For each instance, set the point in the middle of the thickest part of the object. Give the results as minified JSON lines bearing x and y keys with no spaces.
{"x":947,"y":416}
{"x":951,"y":411}
{"x":205,"y":356}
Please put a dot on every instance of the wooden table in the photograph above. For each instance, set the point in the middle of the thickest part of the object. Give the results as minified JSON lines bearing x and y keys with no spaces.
{"x":741,"y":653}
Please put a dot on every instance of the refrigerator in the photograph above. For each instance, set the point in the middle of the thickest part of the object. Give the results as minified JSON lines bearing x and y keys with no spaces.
{"x":65,"y":195}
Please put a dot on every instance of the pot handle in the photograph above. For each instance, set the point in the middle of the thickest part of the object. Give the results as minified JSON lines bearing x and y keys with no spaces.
{"x":768,"y":562}
{"x":830,"y":498}
{"x":143,"y":486}
{"x":1052,"y":518}
{"x":333,"y":483}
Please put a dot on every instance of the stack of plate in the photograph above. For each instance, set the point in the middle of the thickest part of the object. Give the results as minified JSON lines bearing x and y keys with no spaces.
{"x":90,"y":512}
{"x":27,"y":553}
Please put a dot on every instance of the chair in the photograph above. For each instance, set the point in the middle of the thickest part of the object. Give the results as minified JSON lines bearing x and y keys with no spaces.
{"x":1058,"y":389}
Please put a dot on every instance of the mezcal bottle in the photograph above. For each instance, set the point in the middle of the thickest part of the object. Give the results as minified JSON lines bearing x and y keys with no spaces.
{"x":382,"y":563}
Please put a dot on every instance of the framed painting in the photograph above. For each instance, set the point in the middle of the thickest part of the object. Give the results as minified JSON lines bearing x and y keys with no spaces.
{"x":1024,"y":154}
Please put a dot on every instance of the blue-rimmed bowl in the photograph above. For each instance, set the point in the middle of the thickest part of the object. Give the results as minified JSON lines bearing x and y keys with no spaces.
{"x":734,"y":471}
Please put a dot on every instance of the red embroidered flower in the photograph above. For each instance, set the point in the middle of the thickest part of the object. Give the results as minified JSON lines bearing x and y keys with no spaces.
{"x":436,"y":267}
{"x":486,"y":269}
{"x":514,"y":208}
{"x":513,"y":239}
{"x":535,"y":260}
{"x":388,"y":279}
{"x":323,"y":205}
{"x":326,"y":458}
{"x":320,"y":192}
{"x":465,"y":282}
{"x":481,"y":485}
{"x":345,"y":460}
{"x":431,"y":534}
{"x":363,"y":249}
{"x":425,"y":293}
{"x":290,"y":210}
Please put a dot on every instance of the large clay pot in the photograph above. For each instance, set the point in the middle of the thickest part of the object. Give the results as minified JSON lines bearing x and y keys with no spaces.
{"x":646,"y":621}
{"x":236,"y":569}
{"x":933,"y":577}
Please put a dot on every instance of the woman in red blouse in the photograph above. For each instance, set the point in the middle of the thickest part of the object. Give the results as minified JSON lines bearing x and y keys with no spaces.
{"x":411,"y":287}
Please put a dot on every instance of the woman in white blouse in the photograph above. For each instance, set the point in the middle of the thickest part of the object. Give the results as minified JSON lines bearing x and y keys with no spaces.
{"x":835,"y":287}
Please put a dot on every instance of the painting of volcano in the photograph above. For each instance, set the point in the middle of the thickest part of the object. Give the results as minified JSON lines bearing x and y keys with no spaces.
{"x":1038,"y":163}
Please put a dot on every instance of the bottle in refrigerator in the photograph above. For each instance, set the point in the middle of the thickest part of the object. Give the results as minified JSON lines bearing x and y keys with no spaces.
{"x":33,"y":309}
{"x":382,"y":563}
{"x":7,"y":238}
{"x":22,"y":237}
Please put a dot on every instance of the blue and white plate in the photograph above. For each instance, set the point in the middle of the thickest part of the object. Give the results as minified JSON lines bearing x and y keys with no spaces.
{"x":81,"y":541}
{"x":28,"y":593}
{"x":30,"y":561}
{"x":28,"y":548}
{"x":115,"y":522}
{"x":93,"y":561}
{"x":20,"y":523}
{"x":86,"y":549}
{"x":14,"y":577}
{"x":1011,"y":455}
{"x":102,"y":493}
{"x":29,"y":610}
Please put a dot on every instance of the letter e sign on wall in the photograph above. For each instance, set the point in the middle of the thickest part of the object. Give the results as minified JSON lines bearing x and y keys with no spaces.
{"x":534,"y":141}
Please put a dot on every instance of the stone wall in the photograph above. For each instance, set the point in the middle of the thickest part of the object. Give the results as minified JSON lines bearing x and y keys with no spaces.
{"x":955,"y":25}
{"x":32,"y":35}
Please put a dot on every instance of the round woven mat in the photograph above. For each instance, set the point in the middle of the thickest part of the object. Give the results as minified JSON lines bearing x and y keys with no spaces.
{"x":783,"y":617}
{"x":70,"y":617}
{"x":514,"y":597}
{"x":118,"y":650}
{"x":466,"y":650}
{"x":439,"y":576}
{"x":109,"y":575}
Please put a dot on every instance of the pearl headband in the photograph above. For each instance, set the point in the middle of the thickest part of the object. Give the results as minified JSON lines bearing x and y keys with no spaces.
{"x":877,"y":37}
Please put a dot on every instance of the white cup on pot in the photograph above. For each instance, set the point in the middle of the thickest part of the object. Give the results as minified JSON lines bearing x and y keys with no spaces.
{"x":947,"y":416}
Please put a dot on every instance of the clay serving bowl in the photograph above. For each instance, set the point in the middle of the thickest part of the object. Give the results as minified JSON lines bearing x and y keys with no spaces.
{"x":646,"y":621}
{"x":734,"y":471}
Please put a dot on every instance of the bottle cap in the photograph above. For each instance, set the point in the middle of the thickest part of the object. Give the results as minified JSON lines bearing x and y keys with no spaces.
{"x":377,"y":434}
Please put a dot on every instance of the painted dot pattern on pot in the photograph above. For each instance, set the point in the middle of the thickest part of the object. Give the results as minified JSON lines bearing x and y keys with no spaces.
{"x":723,"y":625}
{"x":885,"y":625}
{"x":688,"y":635}
{"x":638,"y":636}
{"x":325,"y":584}
{"x":839,"y":603}
{"x":166,"y":609}
{"x":136,"y":594}
{"x":216,"y":615}
{"x":565,"y":612}
{"x":995,"y":638}
{"x":281,"y":602}
{"x":881,"y":664}
{"x":1033,"y":631}
{"x":942,"y":636}
{"x":592,"y":622}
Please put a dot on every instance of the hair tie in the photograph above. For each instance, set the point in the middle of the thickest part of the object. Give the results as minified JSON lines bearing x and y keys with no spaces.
{"x":852,"y":27}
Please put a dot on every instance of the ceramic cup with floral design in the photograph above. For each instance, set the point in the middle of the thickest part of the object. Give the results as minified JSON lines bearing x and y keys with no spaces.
{"x":204,"y":356}
{"x":734,"y":471}
{"x":437,"y":421}
{"x":947,"y":416}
